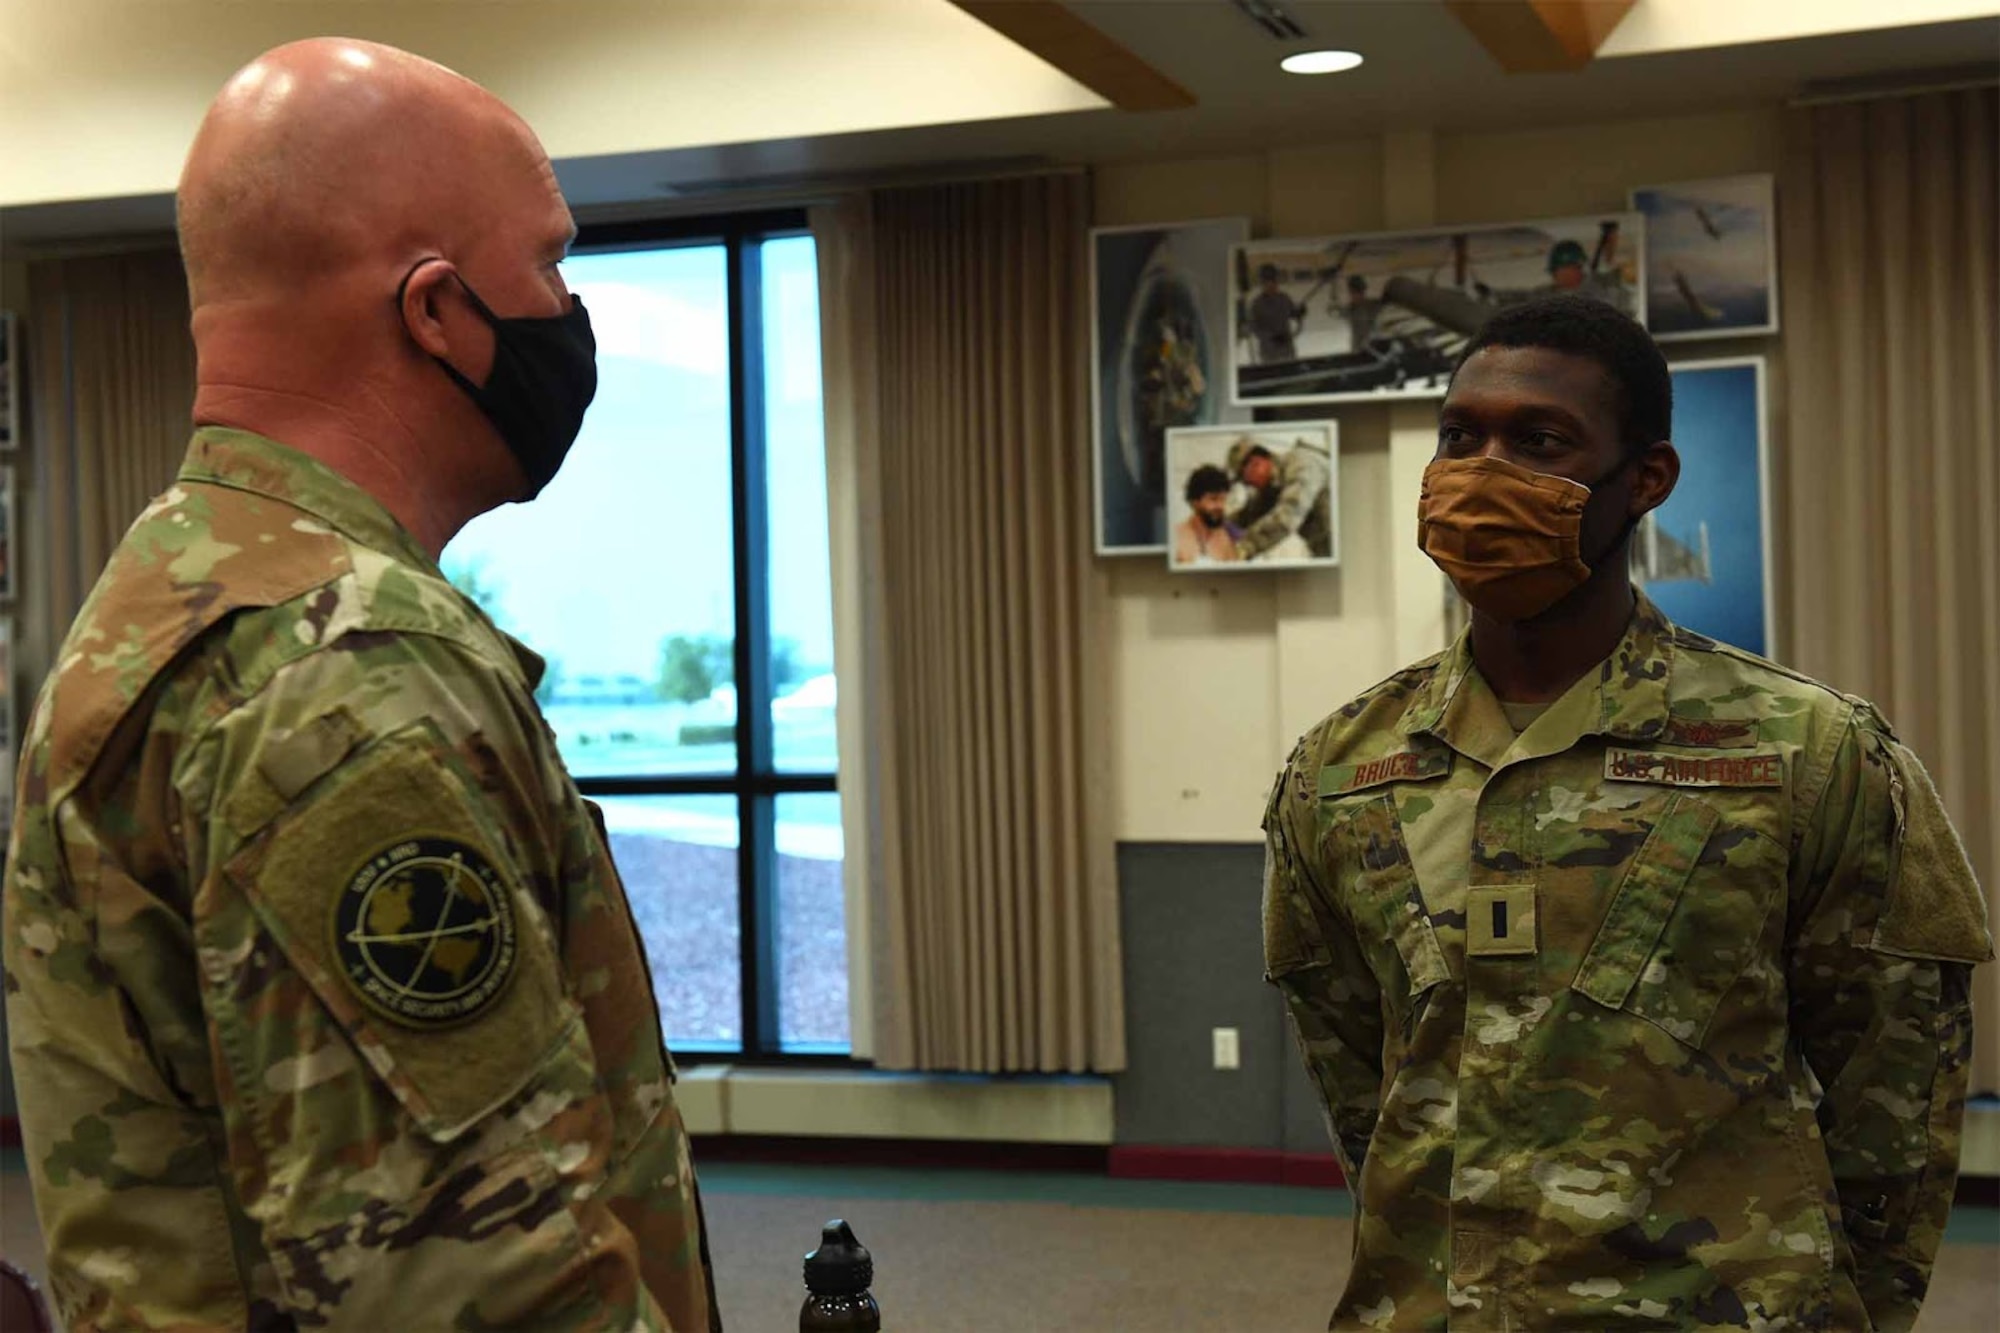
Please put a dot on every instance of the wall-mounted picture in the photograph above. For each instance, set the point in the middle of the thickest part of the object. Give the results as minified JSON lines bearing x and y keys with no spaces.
{"x":1711,"y":257}
{"x":10,"y":381}
{"x":1160,"y":321}
{"x":1346,"y":318}
{"x":1254,"y":497}
{"x":7,"y":764}
{"x":1705,"y":555}
{"x":7,"y":525}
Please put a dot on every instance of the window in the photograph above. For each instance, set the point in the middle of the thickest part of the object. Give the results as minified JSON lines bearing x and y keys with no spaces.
{"x":676,"y":575}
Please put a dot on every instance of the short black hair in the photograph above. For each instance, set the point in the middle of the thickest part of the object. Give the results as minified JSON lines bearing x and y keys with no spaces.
{"x":1584,"y":326}
{"x":1208,"y":479}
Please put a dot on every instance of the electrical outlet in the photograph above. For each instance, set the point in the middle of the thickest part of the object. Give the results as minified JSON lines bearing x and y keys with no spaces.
{"x":1227,"y":1053}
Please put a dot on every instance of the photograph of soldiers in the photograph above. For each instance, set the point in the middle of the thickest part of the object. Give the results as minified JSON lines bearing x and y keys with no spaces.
{"x":1206,"y":536}
{"x":1160,"y":311}
{"x":1279,"y":484}
{"x":1711,"y":258}
{"x":1273,"y":319}
{"x":1591,"y":936}
{"x":1386,"y":315}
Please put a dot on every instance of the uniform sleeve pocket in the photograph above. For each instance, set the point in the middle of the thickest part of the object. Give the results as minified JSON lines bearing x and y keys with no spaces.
{"x":1934,"y":908}
{"x":392,"y":895}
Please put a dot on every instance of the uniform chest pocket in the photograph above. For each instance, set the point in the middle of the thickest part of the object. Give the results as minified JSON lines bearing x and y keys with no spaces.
{"x":1685,"y":920}
{"x":1379,"y":887}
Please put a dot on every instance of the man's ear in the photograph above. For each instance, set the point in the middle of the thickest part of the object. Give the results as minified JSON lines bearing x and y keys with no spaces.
{"x":1656,"y":474}
{"x":424,"y":299}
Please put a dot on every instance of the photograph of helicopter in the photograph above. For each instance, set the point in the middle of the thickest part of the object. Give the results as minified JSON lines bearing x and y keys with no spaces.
{"x":1357,"y":318}
{"x":1711,"y":257}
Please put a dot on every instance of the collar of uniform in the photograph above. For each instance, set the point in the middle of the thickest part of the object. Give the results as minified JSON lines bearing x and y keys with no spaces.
{"x":220,"y":456}
{"x":1631,"y":685}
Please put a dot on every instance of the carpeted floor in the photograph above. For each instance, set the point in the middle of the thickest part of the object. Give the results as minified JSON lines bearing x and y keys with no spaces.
{"x":1019,"y":1252}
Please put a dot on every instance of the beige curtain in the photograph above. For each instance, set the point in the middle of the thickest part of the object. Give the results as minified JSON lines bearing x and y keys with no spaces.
{"x":993,"y":921}
{"x":1892,"y":327}
{"x":113,"y":370}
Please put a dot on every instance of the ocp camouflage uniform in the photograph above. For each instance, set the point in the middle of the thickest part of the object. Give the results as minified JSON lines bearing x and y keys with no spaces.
{"x":1294,"y":502}
{"x":1653,"y":1016}
{"x":326,"y":1004}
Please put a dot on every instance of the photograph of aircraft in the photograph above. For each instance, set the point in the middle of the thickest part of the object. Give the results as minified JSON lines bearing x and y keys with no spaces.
{"x":1712,"y":257}
{"x":1160,"y":330}
{"x":1386,"y":315}
{"x":1704,"y":555}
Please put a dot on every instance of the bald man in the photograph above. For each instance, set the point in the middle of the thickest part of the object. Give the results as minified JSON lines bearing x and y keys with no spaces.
{"x":325,"y":1001}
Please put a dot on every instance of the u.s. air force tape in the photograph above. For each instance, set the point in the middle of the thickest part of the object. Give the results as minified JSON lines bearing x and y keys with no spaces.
{"x":424,"y":932}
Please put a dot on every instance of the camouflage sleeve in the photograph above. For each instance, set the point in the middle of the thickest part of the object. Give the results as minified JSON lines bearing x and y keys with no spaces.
{"x":414,"y":1116}
{"x":1888,"y":924}
{"x":111,"y":1065}
{"x":1304,"y":479}
{"x":1311,"y":955}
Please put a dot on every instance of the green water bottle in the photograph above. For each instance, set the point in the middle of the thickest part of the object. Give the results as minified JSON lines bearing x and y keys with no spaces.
{"x":838,"y":1275}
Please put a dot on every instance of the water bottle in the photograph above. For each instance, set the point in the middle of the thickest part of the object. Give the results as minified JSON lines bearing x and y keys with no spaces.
{"x":838,"y":1275}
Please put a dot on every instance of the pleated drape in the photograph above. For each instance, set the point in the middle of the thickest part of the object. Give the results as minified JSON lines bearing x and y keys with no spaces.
{"x":1891,"y":229}
{"x":114,"y":382}
{"x":996,"y":942}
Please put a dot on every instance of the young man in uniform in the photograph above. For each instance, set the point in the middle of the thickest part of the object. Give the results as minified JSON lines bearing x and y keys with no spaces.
{"x":325,"y":1001}
{"x":1632,"y":969}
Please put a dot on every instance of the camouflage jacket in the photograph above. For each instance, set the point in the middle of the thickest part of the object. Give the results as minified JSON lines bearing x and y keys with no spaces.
{"x":325,"y":1002}
{"x":1653,"y":1016}
{"x":1294,"y":502}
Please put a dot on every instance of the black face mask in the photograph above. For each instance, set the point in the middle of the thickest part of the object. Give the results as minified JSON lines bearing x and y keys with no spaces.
{"x":543,"y":378}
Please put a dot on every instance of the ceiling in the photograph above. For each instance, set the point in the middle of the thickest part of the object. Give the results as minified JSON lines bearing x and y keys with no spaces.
{"x":1423,"y":70}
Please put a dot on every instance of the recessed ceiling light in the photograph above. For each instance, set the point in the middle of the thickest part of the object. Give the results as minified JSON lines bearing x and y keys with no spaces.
{"x":1320,"y":62}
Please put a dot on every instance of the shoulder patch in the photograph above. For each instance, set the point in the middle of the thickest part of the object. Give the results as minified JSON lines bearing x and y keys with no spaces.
{"x":1764,"y":768}
{"x":423,"y":931}
{"x":1406,"y":766}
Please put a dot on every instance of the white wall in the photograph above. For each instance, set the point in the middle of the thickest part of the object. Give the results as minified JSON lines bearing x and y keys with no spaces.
{"x":1216,"y":677}
{"x":99,"y":98}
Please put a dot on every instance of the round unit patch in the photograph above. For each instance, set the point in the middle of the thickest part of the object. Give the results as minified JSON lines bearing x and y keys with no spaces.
{"x":424,"y":932}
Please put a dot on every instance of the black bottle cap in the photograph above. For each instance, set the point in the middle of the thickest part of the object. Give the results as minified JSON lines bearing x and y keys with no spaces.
{"x":841,"y":1265}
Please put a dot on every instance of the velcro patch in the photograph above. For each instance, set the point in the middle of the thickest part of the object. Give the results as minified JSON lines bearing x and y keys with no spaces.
{"x":1408,"y":766}
{"x":1500,"y":921}
{"x":1759,"y":769}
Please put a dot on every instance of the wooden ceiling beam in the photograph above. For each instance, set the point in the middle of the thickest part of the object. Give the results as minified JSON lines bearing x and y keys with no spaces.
{"x":1086,"y":54}
{"x":1540,"y":36}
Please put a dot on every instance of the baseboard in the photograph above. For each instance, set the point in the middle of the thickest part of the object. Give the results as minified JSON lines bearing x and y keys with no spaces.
{"x":1259,"y":1166}
{"x":724,"y":1099}
{"x":930,"y":1154}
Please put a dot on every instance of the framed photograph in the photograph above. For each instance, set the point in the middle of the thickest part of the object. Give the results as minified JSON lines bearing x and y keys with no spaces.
{"x":7,"y":740}
{"x":6,"y":532}
{"x":1159,"y":338}
{"x":1705,"y":555}
{"x":10,"y":382}
{"x":1254,"y":497}
{"x":1711,"y":257}
{"x":1357,"y":318}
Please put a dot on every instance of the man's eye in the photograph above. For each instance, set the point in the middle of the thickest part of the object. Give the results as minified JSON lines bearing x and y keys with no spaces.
{"x":1453,"y":436}
{"x":1543,"y":441}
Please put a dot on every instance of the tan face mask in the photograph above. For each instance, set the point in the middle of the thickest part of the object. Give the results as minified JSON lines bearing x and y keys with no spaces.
{"x":1509,"y":538}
